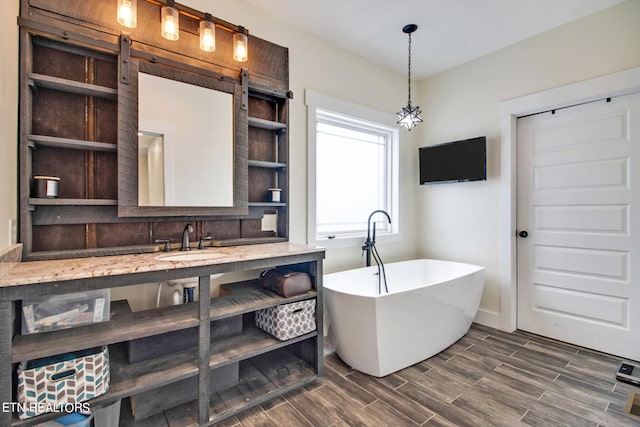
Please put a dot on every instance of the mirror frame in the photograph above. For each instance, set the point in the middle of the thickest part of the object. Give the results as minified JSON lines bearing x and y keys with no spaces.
{"x":128,"y":144}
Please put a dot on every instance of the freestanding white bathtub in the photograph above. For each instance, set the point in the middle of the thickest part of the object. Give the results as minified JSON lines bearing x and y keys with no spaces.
{"x":430,"y":305}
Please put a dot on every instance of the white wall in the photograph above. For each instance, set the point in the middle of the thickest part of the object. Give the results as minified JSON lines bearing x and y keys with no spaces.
{"x":461,"y":221}
{"x":8,"y":119}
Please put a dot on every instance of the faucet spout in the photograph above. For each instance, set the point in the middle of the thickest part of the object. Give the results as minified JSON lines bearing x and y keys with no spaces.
{"x":371,"y":240}
{"x":186,"y":245}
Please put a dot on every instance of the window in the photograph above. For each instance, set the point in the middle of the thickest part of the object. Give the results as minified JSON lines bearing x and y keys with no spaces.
{"x":353,"y":171}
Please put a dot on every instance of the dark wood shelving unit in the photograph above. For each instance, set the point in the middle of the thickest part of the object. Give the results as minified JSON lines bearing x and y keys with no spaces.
{"x":71,"y":127}
{"x":269,"y":153}
{"x":254,"y":353}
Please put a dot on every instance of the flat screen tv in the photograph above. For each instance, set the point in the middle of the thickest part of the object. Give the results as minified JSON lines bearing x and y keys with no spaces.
{"x":455,"y":161}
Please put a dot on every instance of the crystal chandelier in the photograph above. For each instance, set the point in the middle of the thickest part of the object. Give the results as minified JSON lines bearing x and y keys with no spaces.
{"x":409,"y":116}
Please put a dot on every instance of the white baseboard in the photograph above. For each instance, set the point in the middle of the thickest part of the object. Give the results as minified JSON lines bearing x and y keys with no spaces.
{"x":488,"y":318}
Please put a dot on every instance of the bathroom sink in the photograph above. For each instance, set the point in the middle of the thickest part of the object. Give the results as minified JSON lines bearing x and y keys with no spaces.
{"x":190,"y":256}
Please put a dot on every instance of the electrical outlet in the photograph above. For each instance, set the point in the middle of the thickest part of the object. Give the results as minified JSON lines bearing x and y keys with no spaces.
{"x":270,"y":222}
{"x":13,"y":231}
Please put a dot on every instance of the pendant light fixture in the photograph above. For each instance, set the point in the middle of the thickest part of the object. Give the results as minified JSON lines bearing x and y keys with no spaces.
{"x":170,"y":21}
{"x":127,"y":13}
{"x":208,"y":34}
{"x":409,"y":116}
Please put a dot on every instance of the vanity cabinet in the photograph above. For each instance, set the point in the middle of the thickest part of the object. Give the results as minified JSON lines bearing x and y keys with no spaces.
{"x":265,"y":367}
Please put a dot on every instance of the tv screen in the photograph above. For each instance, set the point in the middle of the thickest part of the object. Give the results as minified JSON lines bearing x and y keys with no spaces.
{"x":456,"y":161}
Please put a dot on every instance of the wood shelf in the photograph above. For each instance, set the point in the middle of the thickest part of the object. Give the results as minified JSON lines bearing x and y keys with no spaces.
{"x":129,"y":379}
{"x":259,"y":381}
{"x":253,"y":343}
{"x":72,"y":202}
{"x":247,"y":297}
{"x":40,"y":80}
{"x":266,"y":124}
{"x":268,"y":165}
{"x":122,"y":326}
{"x":125,"y":325}
{"x":265,"y":92}
{"x":268,"y":204}
{"x":71,"y":144}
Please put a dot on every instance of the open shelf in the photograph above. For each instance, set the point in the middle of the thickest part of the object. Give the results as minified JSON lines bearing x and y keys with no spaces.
{"x":269,"y":165}
{"x":128,"y":379}
{"x":72,"y":86}
{"x":123,"y":325}
{"x":71,"y":144}
{"x":260,"y":380}
{"x":266,"y":124}
{"x":247,"y":297}
{"x":72,"y":202}
{"x":268,"y":204}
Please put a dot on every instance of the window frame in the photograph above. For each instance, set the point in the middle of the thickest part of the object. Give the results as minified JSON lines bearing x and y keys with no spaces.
{"x":336,"y":111}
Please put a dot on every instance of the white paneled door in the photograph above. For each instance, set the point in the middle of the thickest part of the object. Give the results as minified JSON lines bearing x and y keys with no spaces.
{"x":578,"y":225}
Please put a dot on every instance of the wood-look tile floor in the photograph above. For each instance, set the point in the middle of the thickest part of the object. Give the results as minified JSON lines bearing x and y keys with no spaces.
{"x":487,"y":378}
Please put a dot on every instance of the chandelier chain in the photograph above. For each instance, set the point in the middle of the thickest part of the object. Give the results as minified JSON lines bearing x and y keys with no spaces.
{"x":409,"y":73}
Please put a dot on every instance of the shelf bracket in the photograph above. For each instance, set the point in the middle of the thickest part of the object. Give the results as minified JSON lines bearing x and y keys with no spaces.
{"x":244,"y":78}
{"x":125,"y":57}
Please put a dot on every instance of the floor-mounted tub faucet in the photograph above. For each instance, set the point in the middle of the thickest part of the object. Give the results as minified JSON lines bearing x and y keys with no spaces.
{"x":186,"y":245}
{"x":371,"y":237}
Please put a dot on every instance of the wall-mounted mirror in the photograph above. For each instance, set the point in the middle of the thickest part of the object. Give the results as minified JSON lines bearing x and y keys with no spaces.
{"x":187,"y":155}
{"x":185,"y":144}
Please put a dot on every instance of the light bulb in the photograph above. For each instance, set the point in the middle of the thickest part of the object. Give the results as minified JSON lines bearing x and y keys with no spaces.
{"x":240,"y":48}
{"x":207,"y":36}
{"x":170,"y":23}
{"x":127,"y":13}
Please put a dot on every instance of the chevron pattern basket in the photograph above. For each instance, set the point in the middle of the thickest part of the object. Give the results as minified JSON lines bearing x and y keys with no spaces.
{"x":288,"y":321}
{"x":67,"y":379}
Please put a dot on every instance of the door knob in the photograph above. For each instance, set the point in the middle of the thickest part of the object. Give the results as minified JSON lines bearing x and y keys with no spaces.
{"x":523,"y":234}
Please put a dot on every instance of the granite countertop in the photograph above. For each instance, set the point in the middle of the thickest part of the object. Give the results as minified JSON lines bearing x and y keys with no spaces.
{"x":35,"y":272}
{"x":9,"y":258}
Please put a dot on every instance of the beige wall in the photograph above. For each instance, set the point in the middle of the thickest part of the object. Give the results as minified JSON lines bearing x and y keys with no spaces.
{"x":461,"y":221}
{"x":8,"y":119}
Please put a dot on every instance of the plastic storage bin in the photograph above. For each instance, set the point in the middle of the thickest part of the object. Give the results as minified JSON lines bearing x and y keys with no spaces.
{"x":42,"y":314}
{"x":288,"y":320}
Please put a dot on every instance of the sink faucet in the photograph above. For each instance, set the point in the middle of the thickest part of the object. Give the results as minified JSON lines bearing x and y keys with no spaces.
{"x":371,"y":237}
{"x":185,"y":238}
